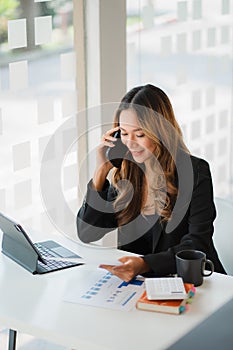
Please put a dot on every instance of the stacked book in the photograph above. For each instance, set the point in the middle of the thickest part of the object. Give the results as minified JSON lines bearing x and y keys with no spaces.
{"x":172,"y":306}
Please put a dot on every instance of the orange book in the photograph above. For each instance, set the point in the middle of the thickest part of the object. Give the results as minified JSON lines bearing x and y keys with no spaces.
{"x":167,"y":306}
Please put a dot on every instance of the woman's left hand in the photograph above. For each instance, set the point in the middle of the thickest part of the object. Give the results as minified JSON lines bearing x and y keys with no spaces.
{"x":131,"y":267}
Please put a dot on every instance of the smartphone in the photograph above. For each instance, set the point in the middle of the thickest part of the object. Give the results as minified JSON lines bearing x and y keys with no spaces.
{"x":116,"y":154}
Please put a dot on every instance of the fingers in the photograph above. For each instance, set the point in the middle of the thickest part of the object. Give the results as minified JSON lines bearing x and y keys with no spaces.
{"x":125,"y":259}
{"x":114,"y":268}
{"x":124,"y":271}
{"x":107,"y":267}
{"x":121,"y":273}
{"x":107,"y":143}
{"x":108,"y":139}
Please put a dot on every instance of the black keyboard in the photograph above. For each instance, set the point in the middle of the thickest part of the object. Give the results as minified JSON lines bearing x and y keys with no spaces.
{"x":48,"y":256}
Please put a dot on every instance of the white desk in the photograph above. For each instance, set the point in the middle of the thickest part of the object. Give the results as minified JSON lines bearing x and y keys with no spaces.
{"x":34,"y":305}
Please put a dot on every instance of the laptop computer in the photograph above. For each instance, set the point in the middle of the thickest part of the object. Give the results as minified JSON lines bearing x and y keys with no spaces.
{"x":38,"y":258}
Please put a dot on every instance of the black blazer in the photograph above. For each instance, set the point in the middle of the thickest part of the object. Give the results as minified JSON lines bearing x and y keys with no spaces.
{"x":191,"y":226}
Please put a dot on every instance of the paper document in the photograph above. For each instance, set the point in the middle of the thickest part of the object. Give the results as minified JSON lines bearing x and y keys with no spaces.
{"x":102,"y":289}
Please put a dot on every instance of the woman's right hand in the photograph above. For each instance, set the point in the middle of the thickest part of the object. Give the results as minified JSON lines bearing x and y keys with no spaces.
{"x":103,"y":165}
{"x":107,"y":140}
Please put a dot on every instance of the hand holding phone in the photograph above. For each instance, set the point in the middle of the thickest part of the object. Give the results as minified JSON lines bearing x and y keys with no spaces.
{"x":116,"y":154}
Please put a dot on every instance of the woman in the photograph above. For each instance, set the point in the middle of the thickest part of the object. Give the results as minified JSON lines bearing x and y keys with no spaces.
{"x":160,"y":198}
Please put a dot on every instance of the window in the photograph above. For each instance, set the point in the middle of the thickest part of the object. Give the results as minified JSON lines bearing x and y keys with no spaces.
{"x":37,"y":108}
{"x":185,"y":47}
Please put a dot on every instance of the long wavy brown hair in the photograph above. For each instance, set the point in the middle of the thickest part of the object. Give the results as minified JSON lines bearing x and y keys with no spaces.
{"x":157,"y":120}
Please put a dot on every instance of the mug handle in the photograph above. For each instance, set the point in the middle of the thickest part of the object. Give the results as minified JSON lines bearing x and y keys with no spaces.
{"x":207,"y":261}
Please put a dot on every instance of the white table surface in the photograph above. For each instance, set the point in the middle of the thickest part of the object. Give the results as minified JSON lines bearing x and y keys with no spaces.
{"x":34,"y":304}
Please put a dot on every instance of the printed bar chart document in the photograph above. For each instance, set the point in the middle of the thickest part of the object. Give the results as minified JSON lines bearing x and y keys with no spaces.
{"x":102,"y":289}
